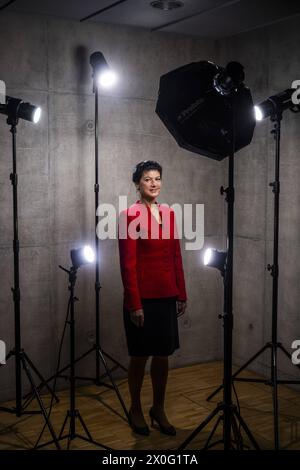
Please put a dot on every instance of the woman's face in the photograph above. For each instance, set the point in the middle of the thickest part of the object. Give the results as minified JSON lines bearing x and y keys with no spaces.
{"x":150,"y":184}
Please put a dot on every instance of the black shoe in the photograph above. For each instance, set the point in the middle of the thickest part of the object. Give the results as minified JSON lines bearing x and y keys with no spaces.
{"x":142,"y":430}
{"x":169,"y":430}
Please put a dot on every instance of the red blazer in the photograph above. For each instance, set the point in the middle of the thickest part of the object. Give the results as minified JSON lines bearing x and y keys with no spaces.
{"x":150,"y":267}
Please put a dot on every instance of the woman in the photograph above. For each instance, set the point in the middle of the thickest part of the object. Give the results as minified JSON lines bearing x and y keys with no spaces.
{"x":154,"y":292}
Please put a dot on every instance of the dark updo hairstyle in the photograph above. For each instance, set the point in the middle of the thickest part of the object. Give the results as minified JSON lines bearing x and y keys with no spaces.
{"x":146,"y":165}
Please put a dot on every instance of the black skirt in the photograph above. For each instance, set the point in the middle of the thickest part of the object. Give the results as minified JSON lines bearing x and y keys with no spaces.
{"x":159,"y":335}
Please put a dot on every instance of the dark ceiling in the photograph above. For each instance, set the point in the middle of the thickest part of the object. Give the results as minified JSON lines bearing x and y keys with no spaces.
{"x":202,"y":18}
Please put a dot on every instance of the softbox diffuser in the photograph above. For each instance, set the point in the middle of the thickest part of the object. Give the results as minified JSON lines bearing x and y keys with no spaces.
{"x":199,"y":117}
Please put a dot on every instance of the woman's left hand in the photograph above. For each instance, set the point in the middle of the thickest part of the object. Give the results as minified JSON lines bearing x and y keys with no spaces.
{"x":181,"y":306}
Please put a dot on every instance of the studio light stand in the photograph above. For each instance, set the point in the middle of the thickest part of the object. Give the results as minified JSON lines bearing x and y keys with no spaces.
{"x":98,"y":63}
{"x":101,"y":75}
{"x":73,"y":414}
{"x":100,"y":66}
{"x":276,"y":106}
{"x":14,"y":109}
{"x":209,"y":111}
{"x":227,"y":412}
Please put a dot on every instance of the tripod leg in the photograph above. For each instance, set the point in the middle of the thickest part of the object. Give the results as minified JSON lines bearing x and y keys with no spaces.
{"x":239,"y":370}
{"x":41,"y":404}
{"x":10,"y":354}
{"x":63,"y":426}
{"x":89,"y":438}
{"x":43,"y":381}
{"x":200,"y":427}
{"x":113,"y":383}
{"x":214,"y":393}
{"x":246,"y":429}
{"x":282,"y":348}
{"x":266,"y":346}
{"x":114,"y":360}
{"x":84,"y":426}
{"x":220,"y":418}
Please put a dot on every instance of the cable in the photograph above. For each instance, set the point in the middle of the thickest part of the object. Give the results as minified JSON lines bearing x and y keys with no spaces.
{"x":239,"y":412}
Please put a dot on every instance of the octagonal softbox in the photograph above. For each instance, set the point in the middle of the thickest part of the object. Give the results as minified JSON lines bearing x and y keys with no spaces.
{"x":199,"y":117}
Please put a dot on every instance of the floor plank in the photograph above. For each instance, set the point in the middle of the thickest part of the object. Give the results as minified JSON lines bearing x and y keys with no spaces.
{"x":186,"y":406}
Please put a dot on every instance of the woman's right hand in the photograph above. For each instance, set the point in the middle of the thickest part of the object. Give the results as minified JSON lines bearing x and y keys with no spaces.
{"x":137,"y":317}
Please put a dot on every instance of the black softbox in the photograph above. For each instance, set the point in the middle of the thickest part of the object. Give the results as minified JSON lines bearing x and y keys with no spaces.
{"x":199,"y":117}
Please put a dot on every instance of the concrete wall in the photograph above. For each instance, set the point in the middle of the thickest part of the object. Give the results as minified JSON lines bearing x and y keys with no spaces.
{"x":271,"y":61}
{"x":46,"y":61}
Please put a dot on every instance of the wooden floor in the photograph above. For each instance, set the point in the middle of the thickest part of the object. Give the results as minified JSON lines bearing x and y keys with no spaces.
{"x":188,"y":388}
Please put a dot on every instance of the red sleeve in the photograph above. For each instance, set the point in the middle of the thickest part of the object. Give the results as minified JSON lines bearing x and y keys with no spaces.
{"x":127,"y":250}
{"x":179,"y":272}
{"x":180,"y":282}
